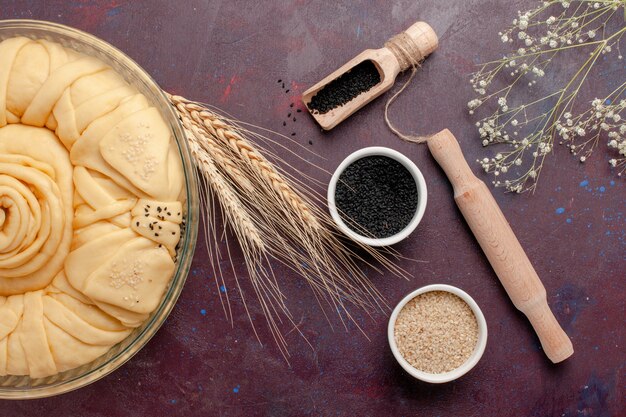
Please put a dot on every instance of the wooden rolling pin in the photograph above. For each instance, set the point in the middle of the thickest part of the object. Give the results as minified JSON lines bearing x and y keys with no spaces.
{"x":506,"y":255}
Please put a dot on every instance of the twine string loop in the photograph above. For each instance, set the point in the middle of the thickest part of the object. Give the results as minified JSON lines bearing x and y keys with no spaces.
{"x":408,"y":55}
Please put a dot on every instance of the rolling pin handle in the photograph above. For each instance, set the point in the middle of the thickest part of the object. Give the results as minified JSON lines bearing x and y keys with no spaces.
{"x":554,"y":341}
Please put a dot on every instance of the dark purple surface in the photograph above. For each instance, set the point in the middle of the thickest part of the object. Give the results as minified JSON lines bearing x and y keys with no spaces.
{"x":231,"y":54}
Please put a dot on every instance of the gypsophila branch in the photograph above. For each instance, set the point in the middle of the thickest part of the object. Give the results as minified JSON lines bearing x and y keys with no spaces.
{"x":525,"y":133}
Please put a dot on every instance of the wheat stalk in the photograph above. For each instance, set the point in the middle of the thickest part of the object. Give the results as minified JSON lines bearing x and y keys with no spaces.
{"x":273,"y":220}
{"x":237,"y":215}
{"x":204,"y":142}
{"x":237,"y":143}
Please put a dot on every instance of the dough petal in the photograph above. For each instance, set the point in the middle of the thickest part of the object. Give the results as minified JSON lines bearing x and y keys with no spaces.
{"x":40,"y":108}
{"x":8,"y":51}
{"x":33,"y":337}
{"x":16,"y":357}
{"x":28,"y":73}
{"x":90,"y":313}
{"x":3,"y":356}
{"x":72,"y":324}
{"x":69,"y":352}
{"x":81,"y":263}
{"x":138,"y":148}
{"x":135,"y":278}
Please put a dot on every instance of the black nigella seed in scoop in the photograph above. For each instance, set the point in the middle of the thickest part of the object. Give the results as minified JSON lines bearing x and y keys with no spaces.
{"x":376,"y":196}
{"x":358,"y":80}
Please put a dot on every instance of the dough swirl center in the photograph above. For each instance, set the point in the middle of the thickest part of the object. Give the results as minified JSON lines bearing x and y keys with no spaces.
{"x":35,"y":208}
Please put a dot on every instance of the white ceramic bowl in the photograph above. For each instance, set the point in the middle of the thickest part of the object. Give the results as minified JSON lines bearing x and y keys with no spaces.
{"x":421,"y":196}
{"x":479,"y":349}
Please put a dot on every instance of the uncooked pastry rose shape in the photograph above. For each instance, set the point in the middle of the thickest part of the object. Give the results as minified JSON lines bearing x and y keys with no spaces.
{"x":91,"y":191}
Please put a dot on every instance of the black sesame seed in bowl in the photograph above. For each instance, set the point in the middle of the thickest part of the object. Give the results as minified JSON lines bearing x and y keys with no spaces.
{"x":377,"y":196}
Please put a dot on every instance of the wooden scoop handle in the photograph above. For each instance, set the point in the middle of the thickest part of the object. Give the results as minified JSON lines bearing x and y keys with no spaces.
{"x":506,"y":255}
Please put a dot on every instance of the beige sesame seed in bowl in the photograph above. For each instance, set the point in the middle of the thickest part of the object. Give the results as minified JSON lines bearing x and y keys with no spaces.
{"x":437,"y":333}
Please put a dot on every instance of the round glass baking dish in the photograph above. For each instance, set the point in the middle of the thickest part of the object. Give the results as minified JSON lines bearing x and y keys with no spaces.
{"x":23,"y":387}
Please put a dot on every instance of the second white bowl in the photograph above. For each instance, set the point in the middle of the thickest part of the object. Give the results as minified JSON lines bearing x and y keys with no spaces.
{"x":479,"y":349}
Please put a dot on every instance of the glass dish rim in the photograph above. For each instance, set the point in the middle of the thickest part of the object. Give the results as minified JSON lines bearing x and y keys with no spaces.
{"x":185,"y":255}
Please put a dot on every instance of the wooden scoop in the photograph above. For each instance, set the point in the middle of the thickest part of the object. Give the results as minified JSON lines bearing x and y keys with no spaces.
{"x":506,"y":255}
{"x":399,"y":54}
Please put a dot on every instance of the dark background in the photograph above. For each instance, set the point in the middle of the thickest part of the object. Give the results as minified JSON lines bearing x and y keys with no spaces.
{"x":231,"y":54}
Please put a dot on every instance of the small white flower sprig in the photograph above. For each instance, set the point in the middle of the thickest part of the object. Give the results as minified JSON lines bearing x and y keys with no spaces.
{"x":528,"y":132}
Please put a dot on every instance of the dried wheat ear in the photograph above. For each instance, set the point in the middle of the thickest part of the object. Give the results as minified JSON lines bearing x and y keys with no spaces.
{"x":275,"y":219}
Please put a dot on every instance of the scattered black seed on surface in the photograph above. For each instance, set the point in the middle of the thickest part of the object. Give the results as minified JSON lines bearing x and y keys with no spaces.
{"x":310,"y":142}
{"x":159,"y":209}
{"x":284,"y":123}
{"x":291,"y":105}
{"x":299,"y":111}
{"x":294,"y":119}
{"x":293,"y":134}
{"x":280,"y":81}
{"x":376,"y":196}
{"x":283,"y":85}
{"x":173,"y":233}
{"x":137,"y":224}
{"x":358,"y":80}
{"x":156,"y":234}
{"x":287,"y":90}
{"x":148,"y":205}
{"x":288,"y":115}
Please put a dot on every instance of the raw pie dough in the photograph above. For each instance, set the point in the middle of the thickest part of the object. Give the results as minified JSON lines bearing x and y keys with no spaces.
{"x":91,"y":185}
